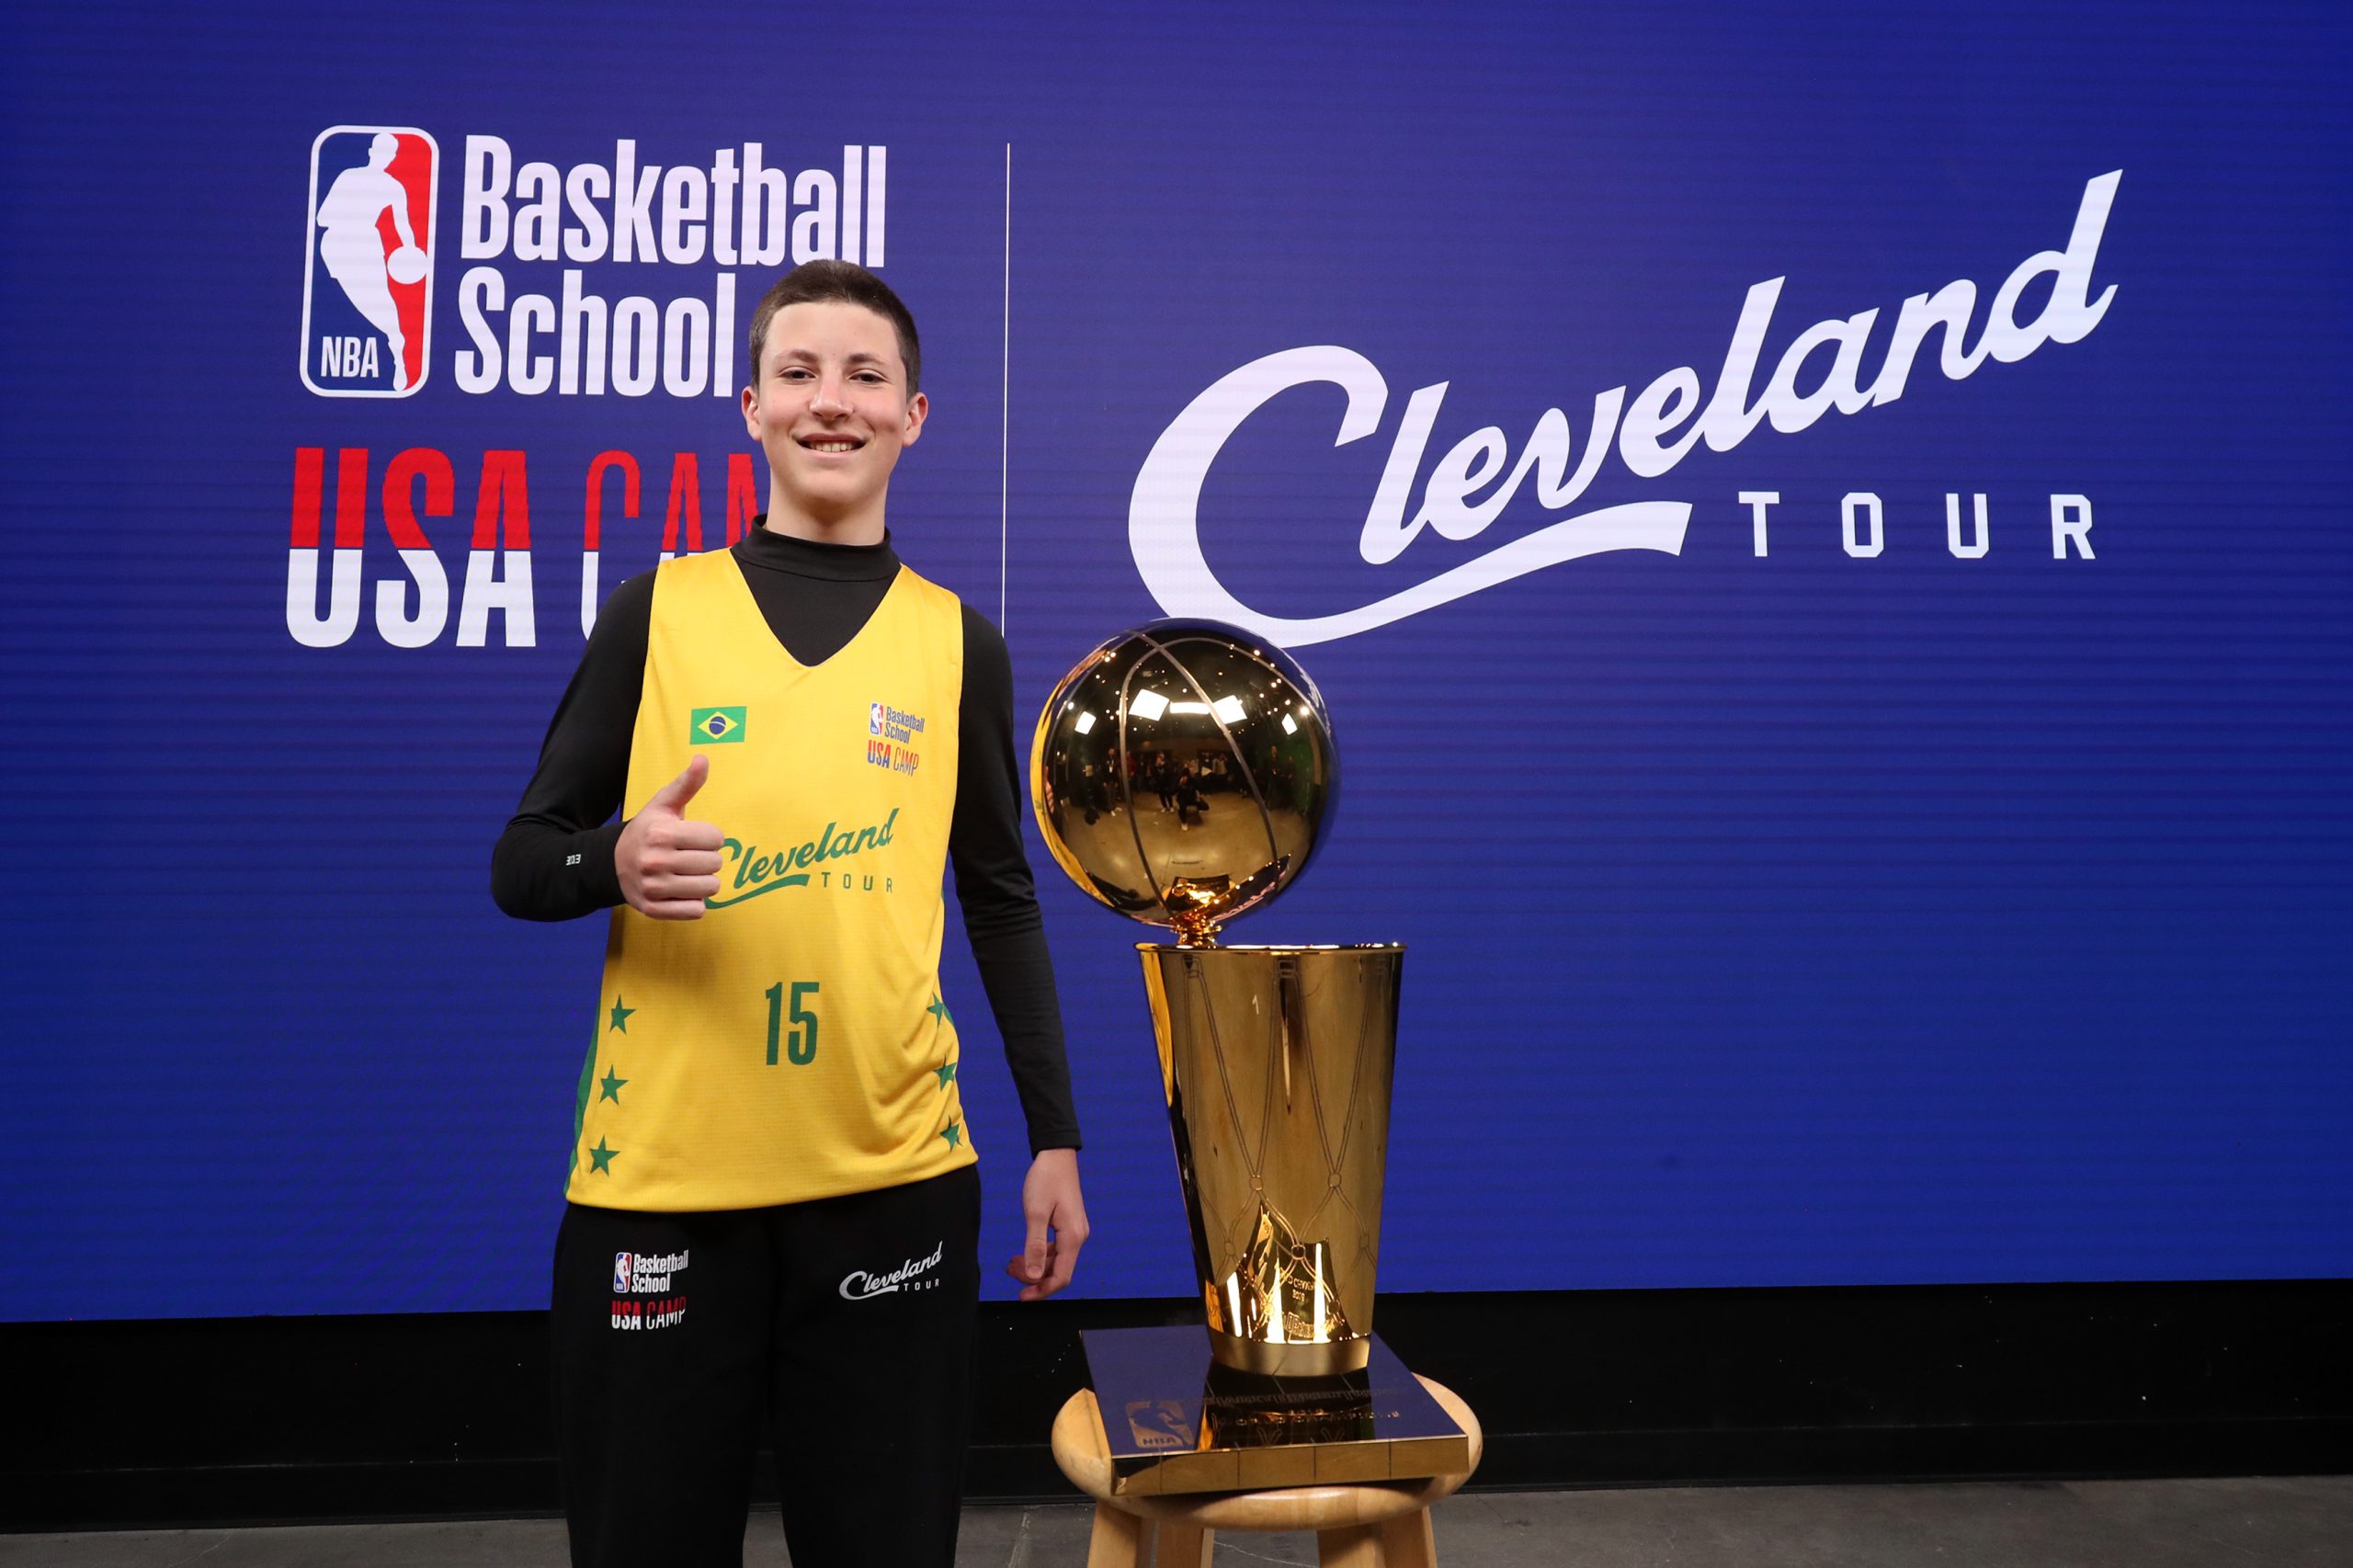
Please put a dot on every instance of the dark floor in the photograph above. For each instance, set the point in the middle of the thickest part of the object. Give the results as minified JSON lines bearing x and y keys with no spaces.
{"x":2246,"y":1523}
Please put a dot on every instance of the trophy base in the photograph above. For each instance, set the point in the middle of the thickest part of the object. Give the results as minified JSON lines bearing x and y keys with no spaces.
{"x":1176,"y":1420}
{"x":1330,"y":1358}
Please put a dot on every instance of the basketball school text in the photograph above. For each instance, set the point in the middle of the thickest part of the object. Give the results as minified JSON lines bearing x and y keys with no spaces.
{"x":737,"y":211}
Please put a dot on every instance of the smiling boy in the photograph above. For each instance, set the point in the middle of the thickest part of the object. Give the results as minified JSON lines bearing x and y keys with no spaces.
{"x":809,"y":734}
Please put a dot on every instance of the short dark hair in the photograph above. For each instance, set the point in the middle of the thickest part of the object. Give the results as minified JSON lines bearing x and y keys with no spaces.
{"x":847,"y":283}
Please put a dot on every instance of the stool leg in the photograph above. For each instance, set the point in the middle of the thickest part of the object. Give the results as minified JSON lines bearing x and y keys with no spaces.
{"x":1350,"y":1546}
{"x":1407,"y":1541}
{"x":1117,"y":1541}
{"x":1182,"y":1546}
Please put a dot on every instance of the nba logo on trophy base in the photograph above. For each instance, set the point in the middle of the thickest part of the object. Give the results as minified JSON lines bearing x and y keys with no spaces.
{"x":1182,"y":774}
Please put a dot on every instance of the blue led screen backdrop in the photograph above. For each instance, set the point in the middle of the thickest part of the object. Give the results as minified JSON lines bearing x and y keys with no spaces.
{"x":1824,"y":538}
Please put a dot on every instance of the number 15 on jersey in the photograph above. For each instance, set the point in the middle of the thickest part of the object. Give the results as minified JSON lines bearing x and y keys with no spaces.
{"x":801,"y":1041}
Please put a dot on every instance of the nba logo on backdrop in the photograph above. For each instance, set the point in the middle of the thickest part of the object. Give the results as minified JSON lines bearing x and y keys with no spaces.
{"x":368,"y":261}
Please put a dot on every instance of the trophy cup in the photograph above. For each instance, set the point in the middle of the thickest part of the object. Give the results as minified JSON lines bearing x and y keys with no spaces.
{"x":1182,"y":774}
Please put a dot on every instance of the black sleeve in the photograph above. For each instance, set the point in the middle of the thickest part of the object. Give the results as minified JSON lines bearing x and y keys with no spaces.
{"x":999,"y":899}
{"x":555,"y":859}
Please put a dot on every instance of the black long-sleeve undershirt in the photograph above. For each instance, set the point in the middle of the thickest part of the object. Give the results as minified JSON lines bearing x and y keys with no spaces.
{"x":555,"y":859}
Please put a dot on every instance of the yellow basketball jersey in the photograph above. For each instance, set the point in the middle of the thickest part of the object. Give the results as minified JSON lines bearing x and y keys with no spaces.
{"x":792,"y":1043}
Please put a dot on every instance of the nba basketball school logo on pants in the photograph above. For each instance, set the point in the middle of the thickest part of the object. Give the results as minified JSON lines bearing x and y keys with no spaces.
{"x":367,"y":269}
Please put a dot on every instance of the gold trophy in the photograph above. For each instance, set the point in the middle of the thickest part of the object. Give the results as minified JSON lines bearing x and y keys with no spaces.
{"x":1182,"y":774}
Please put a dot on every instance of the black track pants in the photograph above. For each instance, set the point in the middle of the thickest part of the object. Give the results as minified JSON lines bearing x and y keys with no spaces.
{"x":849,"y":1321}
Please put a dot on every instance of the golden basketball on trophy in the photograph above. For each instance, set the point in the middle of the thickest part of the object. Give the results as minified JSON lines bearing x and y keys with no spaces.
{"x":1182,"y":773}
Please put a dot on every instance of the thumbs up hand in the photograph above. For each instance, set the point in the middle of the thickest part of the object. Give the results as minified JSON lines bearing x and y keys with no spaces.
{"x":668,"y":865}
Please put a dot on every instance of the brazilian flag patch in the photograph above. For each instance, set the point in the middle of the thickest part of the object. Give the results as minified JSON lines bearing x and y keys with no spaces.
{"x":715,"y":726}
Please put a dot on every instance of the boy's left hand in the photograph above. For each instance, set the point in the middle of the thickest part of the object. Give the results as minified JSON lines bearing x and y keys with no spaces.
{"x":1057,"y":1218}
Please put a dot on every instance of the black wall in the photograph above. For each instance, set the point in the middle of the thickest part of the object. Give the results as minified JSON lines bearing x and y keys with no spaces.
{"x":224,"y":1420}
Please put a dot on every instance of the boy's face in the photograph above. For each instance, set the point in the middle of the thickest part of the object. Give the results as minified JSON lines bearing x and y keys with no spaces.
{"x":829,"y":405}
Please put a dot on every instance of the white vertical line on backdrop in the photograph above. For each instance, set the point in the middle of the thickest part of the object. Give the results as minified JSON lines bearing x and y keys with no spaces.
{"x":1005,"y":396}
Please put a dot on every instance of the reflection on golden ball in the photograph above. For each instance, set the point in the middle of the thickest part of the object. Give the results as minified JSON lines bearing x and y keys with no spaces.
{"x":1182,"y":773}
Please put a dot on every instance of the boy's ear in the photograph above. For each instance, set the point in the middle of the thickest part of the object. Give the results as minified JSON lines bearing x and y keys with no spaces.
{"x":918,"y":406}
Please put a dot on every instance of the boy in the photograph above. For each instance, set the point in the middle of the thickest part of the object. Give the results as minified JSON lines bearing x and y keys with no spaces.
{"x":772,"y":1199}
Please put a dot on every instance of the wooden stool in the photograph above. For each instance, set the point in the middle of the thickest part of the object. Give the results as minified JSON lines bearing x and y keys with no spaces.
{"x":1363,"y":1525}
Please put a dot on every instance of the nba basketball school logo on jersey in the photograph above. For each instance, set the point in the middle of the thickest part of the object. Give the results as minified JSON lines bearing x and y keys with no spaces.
{"x":894,"y":748}
{"x":368,"y":261}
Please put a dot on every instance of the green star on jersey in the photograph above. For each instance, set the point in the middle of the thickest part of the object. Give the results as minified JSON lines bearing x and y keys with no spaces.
{"x":601,"y":1158}
{"x":620,"y":1016}
{"x":939,"y":1009}
{"x":954,"y":1133}
{"x":947,"y":1071}
{"x":611,"y":1085}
